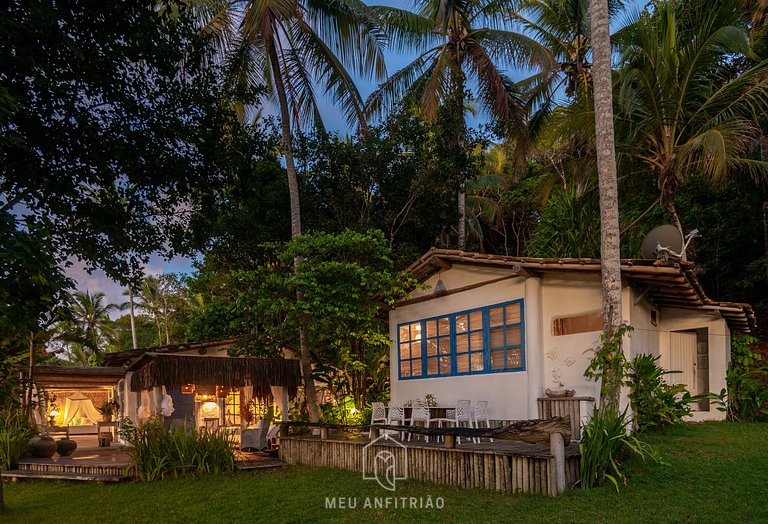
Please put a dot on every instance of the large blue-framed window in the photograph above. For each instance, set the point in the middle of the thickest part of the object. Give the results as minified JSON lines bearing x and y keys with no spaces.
{"x":483,"y":340}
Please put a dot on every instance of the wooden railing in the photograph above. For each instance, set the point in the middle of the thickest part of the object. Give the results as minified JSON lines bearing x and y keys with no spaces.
{"x":554,"y":432}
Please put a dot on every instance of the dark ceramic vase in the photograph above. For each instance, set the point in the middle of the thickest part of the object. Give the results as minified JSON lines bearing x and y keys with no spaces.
{"x":42,"y":446}
{"x":65,"y":447}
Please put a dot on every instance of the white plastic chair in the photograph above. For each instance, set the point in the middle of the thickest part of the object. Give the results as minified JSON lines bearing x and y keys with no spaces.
{"x":481,"y":416}
{"x":396,"y":415}
{"x":420,"y":413}
{"x":378,"y":414}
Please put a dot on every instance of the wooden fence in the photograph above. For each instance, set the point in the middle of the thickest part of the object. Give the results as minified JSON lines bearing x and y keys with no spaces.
{"x":503,"y":466}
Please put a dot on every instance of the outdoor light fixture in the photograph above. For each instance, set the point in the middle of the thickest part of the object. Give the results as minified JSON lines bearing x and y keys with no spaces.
{"x":52,"y":416}
{"x":205,"y":398}
{"x":188,"y":389}
{"x":440,"y":288}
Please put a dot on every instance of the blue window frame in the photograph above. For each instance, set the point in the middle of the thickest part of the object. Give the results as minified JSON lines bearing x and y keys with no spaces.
{"x":476,"y":341}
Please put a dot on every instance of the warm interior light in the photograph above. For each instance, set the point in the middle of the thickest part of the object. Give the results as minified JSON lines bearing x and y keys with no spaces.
{"x":205,"y":398}
{"x":209,"y":410}
{"x":53,"y":413}
{"x":352,"y":410}
{"x":188,"y":389}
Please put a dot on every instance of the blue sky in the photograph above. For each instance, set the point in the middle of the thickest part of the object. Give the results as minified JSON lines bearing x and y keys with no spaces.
{"x":334,"y":121}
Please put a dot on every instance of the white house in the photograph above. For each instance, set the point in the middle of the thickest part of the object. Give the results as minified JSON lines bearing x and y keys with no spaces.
{"x":504,"y":329}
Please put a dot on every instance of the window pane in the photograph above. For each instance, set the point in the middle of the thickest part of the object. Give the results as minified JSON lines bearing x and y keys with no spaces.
{"x":431,"y":347}
{"x":445,"y":345}
{"x":476,"y":341}
{"x":514,"y":337}
{"x":415,"y":349}
{"x":477,"y":361}
{"x":514,"y":358}
{"x":416,"y":367}
{"x":476,"y":320}
{"x":444,"y":325}
{"x":497,"y":359}
{"x":513,"y":313}
{"x":404,"y":335}
{"x":462,"y":323}
{"x":497,"y":338}
{"x":416,"y":331}
{"x":445,"y":365}
{"x":405,"y":351}
{"x":432,"y":366}
{"x":462,"y":343}
{"x":462,"y":363}
{"x":431,"y":328}
{"x":405,"y":368}
{"x":496,"y":315}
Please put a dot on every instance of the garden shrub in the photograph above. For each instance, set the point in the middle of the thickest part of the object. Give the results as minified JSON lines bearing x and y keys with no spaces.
{"x":747,"y":377}
{"x":157,"y":453}
{"x":15,"y":432}
{"x":605,"y":443}
{"x":654,"y":402}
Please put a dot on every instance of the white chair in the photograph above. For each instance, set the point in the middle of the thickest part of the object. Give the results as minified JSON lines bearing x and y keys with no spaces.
{"x":396,"y":415}
{"x":420,"y":414}
{"x":378,"y":414}
{"x":481,"y":416}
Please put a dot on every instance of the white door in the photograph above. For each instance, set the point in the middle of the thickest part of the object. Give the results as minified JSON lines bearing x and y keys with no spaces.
{"x":682,"y":353}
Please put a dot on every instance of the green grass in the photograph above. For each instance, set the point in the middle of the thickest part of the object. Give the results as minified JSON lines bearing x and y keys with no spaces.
{"x":716,"y":472}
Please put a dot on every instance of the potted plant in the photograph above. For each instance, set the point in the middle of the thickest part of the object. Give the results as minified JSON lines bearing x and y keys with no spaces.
{"x":107,"y":410}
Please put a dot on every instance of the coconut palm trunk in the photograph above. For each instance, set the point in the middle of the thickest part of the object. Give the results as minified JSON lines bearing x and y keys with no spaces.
{"x":310,"y":391}
{"x":134,"y":338}
{"x":606,"y":168}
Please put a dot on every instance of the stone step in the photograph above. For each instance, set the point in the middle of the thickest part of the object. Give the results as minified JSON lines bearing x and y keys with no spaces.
{"x":48,"y":475}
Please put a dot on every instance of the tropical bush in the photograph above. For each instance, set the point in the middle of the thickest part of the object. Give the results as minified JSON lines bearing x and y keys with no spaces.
{"x":654,"y":402}
{"x":15,"y":432}
{"x":747,"y":377}
{"x":158,"y":453}
{"x":605,"y":444}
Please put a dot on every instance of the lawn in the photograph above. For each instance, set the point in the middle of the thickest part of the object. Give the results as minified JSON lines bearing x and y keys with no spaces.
{"x":715,"y":472}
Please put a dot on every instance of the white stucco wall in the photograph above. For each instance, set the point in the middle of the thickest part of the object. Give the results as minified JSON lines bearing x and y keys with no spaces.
{"x":645,"y":337}
{"x":566,"y":356}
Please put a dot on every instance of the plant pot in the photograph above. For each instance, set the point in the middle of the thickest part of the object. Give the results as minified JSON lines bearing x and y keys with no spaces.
{"x":42,"y":446}
{"x":560,"y":393}
{"x":106,"y":418}
{"x":65,"y":447}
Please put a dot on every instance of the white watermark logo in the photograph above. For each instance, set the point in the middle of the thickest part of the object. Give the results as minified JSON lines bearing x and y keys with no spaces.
{"x":385,"y":460}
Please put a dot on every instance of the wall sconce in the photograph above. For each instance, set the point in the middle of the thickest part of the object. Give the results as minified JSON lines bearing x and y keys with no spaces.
{"x":188,"y":389}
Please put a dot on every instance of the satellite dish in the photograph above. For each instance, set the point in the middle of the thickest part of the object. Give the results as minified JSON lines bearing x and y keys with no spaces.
{"x":666,"y":236}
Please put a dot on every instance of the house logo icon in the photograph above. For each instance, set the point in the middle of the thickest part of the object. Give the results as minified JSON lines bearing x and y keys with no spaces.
{"x":385,"y":460}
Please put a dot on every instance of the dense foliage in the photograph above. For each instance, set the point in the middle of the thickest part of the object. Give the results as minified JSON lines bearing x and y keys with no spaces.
{"x":158,"y":453}
{"x":654,"y":401}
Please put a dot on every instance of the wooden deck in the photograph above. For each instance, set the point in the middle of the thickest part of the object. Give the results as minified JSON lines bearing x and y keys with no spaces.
{"x":89,"y":462}
{"x":503,"y":466}
{"x":108,"y":464}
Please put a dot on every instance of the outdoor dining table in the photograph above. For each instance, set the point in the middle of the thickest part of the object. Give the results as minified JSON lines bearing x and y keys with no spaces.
{"x":435,"y":412}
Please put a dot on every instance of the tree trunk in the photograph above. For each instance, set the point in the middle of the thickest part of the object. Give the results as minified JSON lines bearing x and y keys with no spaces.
{"x":134,"y":339}
{"x":606,"y":168}
{"x":310,"y":391}
{"x":462,"y":218}
{"x":28,"y":407}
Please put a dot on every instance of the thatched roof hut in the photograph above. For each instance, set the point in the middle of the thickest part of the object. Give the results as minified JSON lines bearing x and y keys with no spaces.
{"x":173,"y":371}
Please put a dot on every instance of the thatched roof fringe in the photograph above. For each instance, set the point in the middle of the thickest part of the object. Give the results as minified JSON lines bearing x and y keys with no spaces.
{"x":173,"y":371}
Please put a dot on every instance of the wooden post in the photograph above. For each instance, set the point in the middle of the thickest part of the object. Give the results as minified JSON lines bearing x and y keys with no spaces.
{"x":374,"y":433}
{"x":450,"y":441}
{"x":557,"y":448}
{"x":323,"y":433}
{"x":284,"y":430}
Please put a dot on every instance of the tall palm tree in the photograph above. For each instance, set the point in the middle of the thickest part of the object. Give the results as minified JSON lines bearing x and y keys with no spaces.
{"x":294,"y":47}
{"x":681,"y":109}
{"x":606,"y":170}
{"x":463,"y":45}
